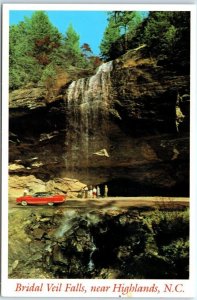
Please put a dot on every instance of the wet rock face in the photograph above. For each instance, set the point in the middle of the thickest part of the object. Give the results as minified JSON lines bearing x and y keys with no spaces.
{"x":135,"y":110}
{"x":108,"y":244}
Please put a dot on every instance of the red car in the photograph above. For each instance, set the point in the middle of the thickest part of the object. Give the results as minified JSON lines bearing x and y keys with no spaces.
{"x":41,"y":198}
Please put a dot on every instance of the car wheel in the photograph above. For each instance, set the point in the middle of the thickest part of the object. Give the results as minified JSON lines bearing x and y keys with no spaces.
{"x":50,"y":203}
{"x":23,"y":203}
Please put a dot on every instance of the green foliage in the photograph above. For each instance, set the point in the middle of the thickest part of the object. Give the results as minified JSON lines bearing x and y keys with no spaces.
{"x":72,"y":39}
{"x":176,"y":250}
{"x":42,"y":36}
{"x":23,"y":66}
{"x":170,"y":36}
{"x":170,"y":226}
{"x":40,"y":27}
{"x":111,"y":34}
{"x":72,"y":48}
{"x":127,"y":21}
{"x":166,"y":35}
{"x":31,"y":43}
{"x":35,"y":43}
{"x":48,"y":73}
{"x":161,"y":220}
{"x":167,"y":244}
{"x":37,"y":49}
{"x":156,"y":244}
{"x":177,"y":255}
{"x":121,"y":25}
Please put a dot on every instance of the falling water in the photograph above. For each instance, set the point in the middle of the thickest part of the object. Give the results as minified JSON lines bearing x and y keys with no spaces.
{"x":70,"y":221}
{"x":88,"y":100}
{"x":70,"y":225}
{"x":67,"y":223}
{"x":91,"y":265}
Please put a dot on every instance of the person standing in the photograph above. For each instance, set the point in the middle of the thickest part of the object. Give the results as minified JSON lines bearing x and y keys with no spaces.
{"x":106,"y":191}
{"x":90,"y":192}
{"x":86,"y":191}
{"x":82,"y":193}
{"x":94,"y":192}
{"x":26,"y":192}
{"x":98,"y":191}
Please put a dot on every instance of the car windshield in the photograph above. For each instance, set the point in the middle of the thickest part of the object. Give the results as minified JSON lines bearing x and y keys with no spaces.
{"x":43,"y":194}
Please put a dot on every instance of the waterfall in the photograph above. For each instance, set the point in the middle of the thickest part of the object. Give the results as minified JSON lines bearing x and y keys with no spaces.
{"x":67,"y":224}
{"x":70,"y":221}
{"x":91,"y":265}
{"x":88,"y":101}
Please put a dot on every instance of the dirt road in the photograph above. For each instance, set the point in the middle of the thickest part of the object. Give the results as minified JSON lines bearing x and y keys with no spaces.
{"x":120,"y":202}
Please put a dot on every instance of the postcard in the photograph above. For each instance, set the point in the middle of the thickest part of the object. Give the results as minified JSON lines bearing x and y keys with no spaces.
{"x":98,"y":120}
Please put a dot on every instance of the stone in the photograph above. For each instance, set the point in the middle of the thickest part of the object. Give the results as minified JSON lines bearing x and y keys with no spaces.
{"x":15,"y":264}
{"x":14,"y":167}
{"x":38,"y":233}
{"x":36,"y":256}
{"x":45,"y":220}
{"x":58,"y":256}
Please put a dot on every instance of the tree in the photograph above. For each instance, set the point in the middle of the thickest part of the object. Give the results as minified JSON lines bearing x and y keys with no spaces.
{"x":181,"y":46}
{"x":111,"y":35}
{"x":32,"y":43}
{"x":167,"y":35}
{"x":86,"y":52}
{"x":121,"y":28}
{"x":72,"y":47}
{"x":127,"y":21}
{"x":23,"y":67}
{"x":43,"y":36}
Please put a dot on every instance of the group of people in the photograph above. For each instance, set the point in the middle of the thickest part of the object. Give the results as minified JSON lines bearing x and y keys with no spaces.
{"x":93,"y":192}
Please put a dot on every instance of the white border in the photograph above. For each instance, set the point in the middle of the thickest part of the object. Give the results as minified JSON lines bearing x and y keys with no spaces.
{"x":9,"y":285}
{"x":98,"y":7}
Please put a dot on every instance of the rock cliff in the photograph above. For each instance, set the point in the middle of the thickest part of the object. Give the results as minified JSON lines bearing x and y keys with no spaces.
{"x":126,"y":126}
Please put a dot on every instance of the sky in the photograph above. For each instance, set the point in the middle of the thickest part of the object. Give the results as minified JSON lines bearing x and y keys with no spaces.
{"x":90,"y":25}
